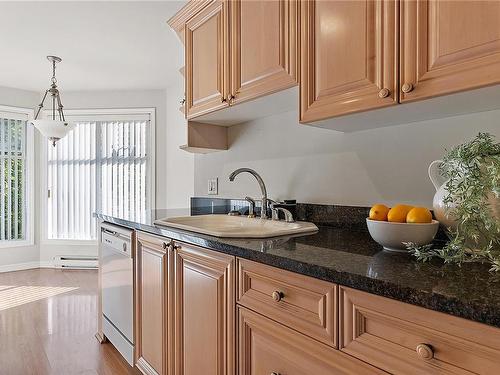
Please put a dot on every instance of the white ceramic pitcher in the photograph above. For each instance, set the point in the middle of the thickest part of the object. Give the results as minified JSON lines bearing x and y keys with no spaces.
{"x":440,"y":208}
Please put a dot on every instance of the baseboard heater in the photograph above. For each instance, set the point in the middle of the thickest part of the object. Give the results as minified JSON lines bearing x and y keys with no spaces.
{"x":75,"y":262}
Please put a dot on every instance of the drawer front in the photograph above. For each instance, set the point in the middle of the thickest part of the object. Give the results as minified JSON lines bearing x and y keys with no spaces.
{"x":406,"y":339}
{"x":266,"y":347}
{"x":305,"y":304}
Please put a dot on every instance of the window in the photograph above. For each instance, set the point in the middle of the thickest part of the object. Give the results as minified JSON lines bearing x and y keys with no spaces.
{"x":104,"y":165}
{"x":15,"y":176}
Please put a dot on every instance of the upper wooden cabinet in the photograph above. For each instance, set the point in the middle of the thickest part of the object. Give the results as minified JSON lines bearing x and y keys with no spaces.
{"x":237,"y":50}
{"x":205,"y":309}
{"x":263,"y":47}
{"x":154,"y":298}
{"x":348,"y":57}
{"x":448,"y":46}
{"x":207,"y":60}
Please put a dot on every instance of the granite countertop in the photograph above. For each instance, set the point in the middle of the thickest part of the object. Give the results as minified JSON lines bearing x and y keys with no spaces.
{"x":349,"y":257}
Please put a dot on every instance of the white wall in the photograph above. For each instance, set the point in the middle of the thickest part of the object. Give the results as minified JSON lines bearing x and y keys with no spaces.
{"x":180,"y":164}
{"x":13,"y":258}
{"x":323,"y":166}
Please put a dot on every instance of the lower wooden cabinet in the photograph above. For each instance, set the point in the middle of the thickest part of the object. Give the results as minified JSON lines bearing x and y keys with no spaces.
{"x":266,"y":347}
{"x":205,"y":310}
{"x":154,"y":298}
{"x":406,"y":339}
{"x":300,"y":302}
{"x":188,"y":322}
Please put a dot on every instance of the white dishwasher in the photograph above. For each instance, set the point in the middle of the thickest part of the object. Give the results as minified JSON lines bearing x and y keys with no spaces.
{"x":117,"y":276}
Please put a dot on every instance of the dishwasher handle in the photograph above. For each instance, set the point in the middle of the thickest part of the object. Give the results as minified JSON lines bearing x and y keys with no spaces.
{"x":111,"y":232}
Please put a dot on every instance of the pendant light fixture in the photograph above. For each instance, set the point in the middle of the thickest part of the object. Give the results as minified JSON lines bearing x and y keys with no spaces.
{"x":55,"y":127}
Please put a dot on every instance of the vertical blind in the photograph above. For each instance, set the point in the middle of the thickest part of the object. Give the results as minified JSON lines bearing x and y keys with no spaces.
{"x":101,"y":166}
{"x":13,"y":176}
{"x":71,"y":177}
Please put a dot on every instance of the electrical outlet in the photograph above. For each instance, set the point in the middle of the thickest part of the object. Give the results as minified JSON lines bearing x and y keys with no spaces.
{"x":213,"y":186}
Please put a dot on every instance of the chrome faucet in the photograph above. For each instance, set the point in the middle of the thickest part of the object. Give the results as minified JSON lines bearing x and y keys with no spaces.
{"x":276,"y":210}
{"x":251,"y":207}
{"x":263,"y":210}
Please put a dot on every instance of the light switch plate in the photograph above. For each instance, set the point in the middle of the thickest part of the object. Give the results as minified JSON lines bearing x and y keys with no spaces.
{"x":213,"y":186}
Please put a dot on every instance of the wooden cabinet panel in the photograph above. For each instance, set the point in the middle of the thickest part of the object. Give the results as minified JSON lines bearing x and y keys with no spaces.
{"x":264,"y":41}
{"x":205,"y":309}
{"x":348,"y":57}
{"x":406,"y":339}
{"x":154,"y":296}
{"x":448,"y":46}
{"x":266,"y":348}
{"x":207,"y":59}
{"x":305,"y":304}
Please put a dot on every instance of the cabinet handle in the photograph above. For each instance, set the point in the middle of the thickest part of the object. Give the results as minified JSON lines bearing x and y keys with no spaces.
{"x":183,"y":101}
{"x":231,"y":97}
{"x":384,"y":93}
{"x":277,"y":296}
{"x":425,"y":352}
{"x":407,"y":87}
{"x":223,"y":100}
{"x":165,"y":245}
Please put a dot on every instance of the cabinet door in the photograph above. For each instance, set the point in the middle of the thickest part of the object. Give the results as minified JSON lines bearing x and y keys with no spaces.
{"x":448,"y":46}
{"x":205,"y":308}
{"x":348,"y":57}
{"x":266,"y":348}
{"x":207,"y":59}
{"x":154,"y":322}
{"x":263,"y":47}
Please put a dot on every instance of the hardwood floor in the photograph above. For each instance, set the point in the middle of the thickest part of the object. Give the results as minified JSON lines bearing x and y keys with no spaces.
{"x":47,"y":325}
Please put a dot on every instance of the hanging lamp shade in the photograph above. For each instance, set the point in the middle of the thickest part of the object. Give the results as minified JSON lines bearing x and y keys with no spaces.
{"x":54,"y":130}
{"x":55,"y":127}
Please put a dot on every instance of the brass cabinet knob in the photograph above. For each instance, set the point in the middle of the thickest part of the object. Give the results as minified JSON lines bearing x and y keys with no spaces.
{"x":407,"y":87}
{"x":384,"y":93}
{"x":425,"y":352}
{"x":277,"y":296}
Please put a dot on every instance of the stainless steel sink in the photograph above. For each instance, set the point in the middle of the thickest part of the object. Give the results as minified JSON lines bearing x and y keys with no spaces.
{"x":237,"y":226}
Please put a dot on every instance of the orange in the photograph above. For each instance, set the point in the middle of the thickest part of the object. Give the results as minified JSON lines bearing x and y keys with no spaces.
{"x":419,"y":215}
{"x":398,"y":213}
{"x":379,"y":212}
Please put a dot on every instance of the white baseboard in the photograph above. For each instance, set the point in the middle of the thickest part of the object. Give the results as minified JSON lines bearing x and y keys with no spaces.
{"x":46,"y":264}
{"x":20,"y":266}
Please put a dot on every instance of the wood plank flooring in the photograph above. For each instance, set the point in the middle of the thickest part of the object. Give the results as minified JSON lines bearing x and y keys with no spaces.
{"x":47,"y":325}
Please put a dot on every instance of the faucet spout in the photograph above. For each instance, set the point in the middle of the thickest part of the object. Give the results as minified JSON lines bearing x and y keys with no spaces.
{"x":263,"y":210}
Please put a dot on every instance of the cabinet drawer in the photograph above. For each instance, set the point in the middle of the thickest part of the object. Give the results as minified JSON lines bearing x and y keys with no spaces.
{"x":266,"y":347}
{"x":305,"y":304}
{"x":406,"y":339}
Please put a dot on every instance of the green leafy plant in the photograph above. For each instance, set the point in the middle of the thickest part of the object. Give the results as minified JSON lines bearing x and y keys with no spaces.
{"x":472,"y":171}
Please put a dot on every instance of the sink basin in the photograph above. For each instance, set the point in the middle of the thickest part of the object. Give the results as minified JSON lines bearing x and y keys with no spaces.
{"x":237,"y":226}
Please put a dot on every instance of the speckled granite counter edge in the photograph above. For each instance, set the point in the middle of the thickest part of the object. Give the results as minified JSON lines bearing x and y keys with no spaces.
{"x":475,"y":312}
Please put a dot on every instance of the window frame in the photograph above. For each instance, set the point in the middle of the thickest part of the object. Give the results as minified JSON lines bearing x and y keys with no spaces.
{"x":94,"y":114}
{"x":29,"y":180}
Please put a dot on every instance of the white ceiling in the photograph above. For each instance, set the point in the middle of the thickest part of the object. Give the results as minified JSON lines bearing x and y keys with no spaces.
{"x":104,"y":45}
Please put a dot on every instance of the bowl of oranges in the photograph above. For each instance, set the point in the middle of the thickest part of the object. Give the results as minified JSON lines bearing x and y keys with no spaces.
{"x":392,"y":227}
